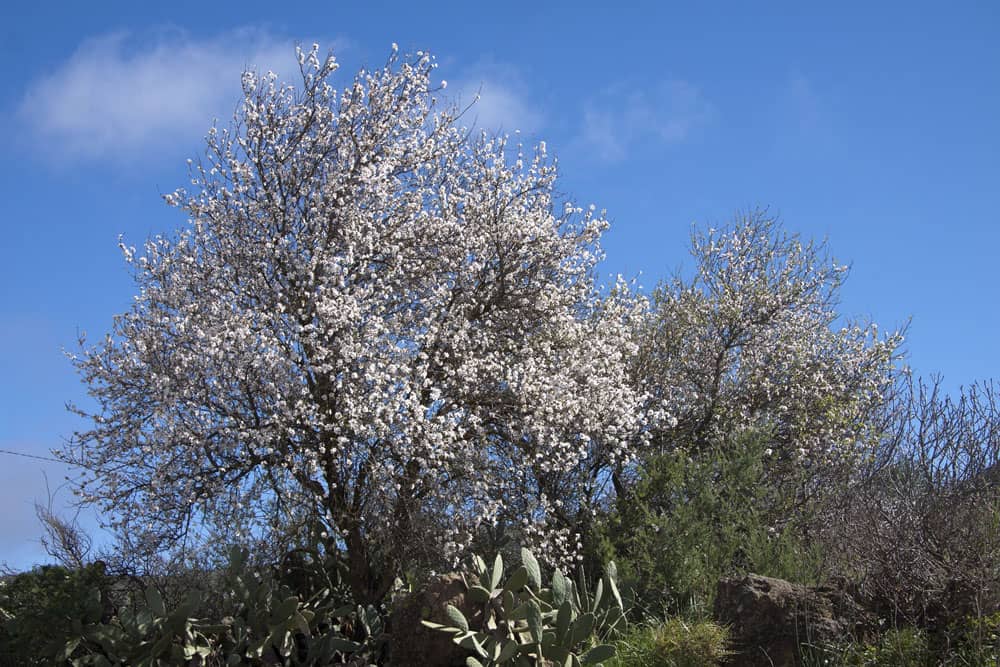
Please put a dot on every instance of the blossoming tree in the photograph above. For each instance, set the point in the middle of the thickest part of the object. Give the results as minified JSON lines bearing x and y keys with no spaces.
{"x":774,"y":403}
{"x":372,"y":324}
{"x":751,"y":340}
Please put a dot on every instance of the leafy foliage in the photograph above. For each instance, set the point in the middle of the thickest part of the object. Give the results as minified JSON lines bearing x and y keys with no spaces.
{"x":691,"y":519}
{"x":39,"y":609}
{"x":269,"y":623}
{"x":902,"y":647}
{"x":524,"y":623}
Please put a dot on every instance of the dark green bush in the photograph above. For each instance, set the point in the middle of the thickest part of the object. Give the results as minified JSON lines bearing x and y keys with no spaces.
{"x":41,"y":608}
{"x":977,"y":641}
{"x":269,"y":623}
{"x":691,"y":519}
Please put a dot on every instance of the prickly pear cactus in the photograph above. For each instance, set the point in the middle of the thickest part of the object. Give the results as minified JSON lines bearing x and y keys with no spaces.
{"x":525,"y":624}
{"x":270,"y":625}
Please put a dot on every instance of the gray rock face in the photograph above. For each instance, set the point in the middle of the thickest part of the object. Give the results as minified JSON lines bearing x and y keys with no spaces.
{"x":770,"y":618}
{"x":413,"y":643}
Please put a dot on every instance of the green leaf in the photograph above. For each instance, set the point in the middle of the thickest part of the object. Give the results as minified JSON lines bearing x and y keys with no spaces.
{"x":613,"y":587}
{"x":191,"y":602}
{"x":300,"y":623}
{"x":508,"y":601}
{"x":613,"y":618}
{"x":534,"y":619}
{"x":456,"y":617}
{"x":599,"y":653}
{"x":582,"y":629}
{"x":472,"y":662}
{"x":518,"y":578}
{"x":215,"y":629}
{"x":155,"y":602}
{"x":564,"y":618}
{"x":556,"y":654}
{"x":284,"y":610}
{"x":497,"y":572}
{"x":92,"y":606}
{"x":70,"y":647}
{"x":519,"y":612}
{"x":574,"y":595}
{"x":479,"y":594}
{"x":508,"y":651}
{"x":559,"y":589}
{"x":534,"y":571}
{"x":492,"y":648}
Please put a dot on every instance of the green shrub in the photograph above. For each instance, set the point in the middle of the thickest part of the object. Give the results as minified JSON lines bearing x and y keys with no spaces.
{"x":978,"y":641}
{"x":903,"y":647}
{"x":693,"y":518}
{"x":40,"y":608}
{"x":898,"y":647}
{"x":673,"y":643}
{"x":269,"y":624}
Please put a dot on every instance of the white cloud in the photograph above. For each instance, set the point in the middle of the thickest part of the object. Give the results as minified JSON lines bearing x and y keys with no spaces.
{"x":620,"y":119}
{"x":803,"y":109}
{"x":805,"y":123}
{"x":122,"y":95}
{"x":502,"y":103}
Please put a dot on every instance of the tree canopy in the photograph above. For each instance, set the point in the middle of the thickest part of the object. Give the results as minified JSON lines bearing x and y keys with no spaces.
{"x":371,"y":318}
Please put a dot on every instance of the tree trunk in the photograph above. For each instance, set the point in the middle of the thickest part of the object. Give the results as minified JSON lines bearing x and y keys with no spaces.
{"x":370,"y":582}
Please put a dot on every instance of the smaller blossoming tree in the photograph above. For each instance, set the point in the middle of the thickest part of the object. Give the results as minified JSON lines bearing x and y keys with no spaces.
{"x":753,"y":340}
{"x":775,"y":402}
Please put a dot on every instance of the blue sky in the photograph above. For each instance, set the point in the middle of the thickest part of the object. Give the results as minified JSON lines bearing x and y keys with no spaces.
{"x":875,"y":125}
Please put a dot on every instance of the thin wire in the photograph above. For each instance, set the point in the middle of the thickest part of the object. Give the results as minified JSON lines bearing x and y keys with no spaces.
{"x":34,"y":456}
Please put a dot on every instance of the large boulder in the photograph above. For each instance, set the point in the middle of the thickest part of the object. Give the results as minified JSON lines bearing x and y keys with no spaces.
{"x":771,"y":618}
{"x":415,"y":644}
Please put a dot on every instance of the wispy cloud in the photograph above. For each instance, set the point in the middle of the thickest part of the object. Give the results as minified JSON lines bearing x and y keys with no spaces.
{"x":501,"y":99}
{"x":621,"y":119}
{"x":805,"y":120}
{"x":122,"y":95}
{"x":803,"y":108}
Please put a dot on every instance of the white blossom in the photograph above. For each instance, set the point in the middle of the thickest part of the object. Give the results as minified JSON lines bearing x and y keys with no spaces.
{"x":371,"y":322}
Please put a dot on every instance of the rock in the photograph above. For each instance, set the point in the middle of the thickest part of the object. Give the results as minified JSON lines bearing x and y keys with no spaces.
{"x":770,"y":618}
{"x":412,"y":642}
